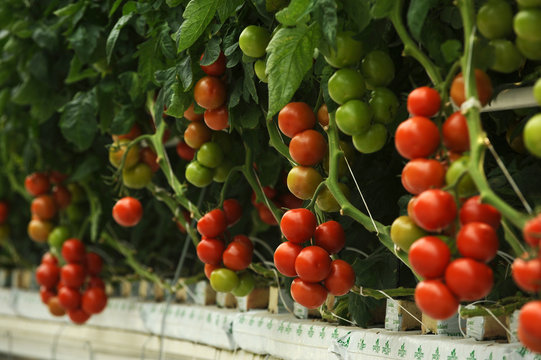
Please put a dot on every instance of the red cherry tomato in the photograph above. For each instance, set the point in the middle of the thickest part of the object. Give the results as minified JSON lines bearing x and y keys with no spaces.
{"x":232,"y":210}
{"x":47,"y":275}
{"x":49,"y":258}
{"x":78,"y":316}
{"x":435,"y":299}
{"x":455,"y":133}
{"x":37,"y":184}
{"x":245,"y":240}
{"x":434,"y":209}
{"x":417,"y":137}
{"x":95,"y":281}
{"x":210,"y":251}
{"x":72,"y":275}
{"x":209,"y":268}
{"x":341,"y":278}
{"x":298,"y":225}
{"x":217,"y":119}
{"x":313,"y":264}
{"x":330,"y":236}
{"x":73,"y":251}
{"x":424,"y":101}
{"x":210,"y":92}
{"x":69,"y":298}
{"x":127,"y":211}
{"x":191,"y":115}
{"x":310,"y":295}
{"x":422,"y":174}
{"x":484,"y":88}
{"x":43,"y":207}
{"x":266,"y":215}
{"x":149,"y":157}
{"x":61,"y":196}
{"x":46,"y":294}
{"x":212,"y":224}
{"x":237,"y":256}
{"x":56,"y":177}
{"x":473,"y":210}
{"x":527,"y":274}
{"x":529,"y":326}
{"x":308,"y":147}
{"x":532,"y":231}
{"x":94,"y":264}
{"x":468,"y":279}
{"x":217,"y":68}
{"x":478,"y":241}
{"x":55,"y":308}
{"x":184,"y":151}
{"x":296,"y":117}
{"x":284,"y":258}
{"x":94,"y":301}
{"x":134,"y":132}
{"x":429,"y":257}
{"x":289,"y":201}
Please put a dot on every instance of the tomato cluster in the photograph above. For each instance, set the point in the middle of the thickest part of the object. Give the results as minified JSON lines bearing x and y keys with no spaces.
{"x":225,"y":266}
{"x":316,"y":273}
{"x":74,"y":288}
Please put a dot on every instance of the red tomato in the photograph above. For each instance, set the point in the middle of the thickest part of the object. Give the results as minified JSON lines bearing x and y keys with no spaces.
{"x":289,"y":201}
{"x":529,"y":326}
{"x":310,"y":295}
{"x":217,"y":119}
{"x":78,"y":316}
{"x":44,"y":207}
{"x":209,"y":268}
{"x":313,"y":264}
{"x":308,"y":147}
{"x":411,"y":213}
{"x":56,"y":177}
{"x":72,"y":275}
{"x":245,"y":240}
{"x":47,"y":275}
{"x":210,"y":92}
{"x":423,"y":174}
{"x":196,"y":135}
{"x":232,"y":210}
{"x":298,"y":225}
{"x":134,"y":132}
{"x":127,"y":211}
{"x":417,"y":137}
{"x":217,"y":68}
{"x":296,"y":117}
{"x":46,"y":294}
{"x":424,"y":101}
{"x":184,"y":151}
{"x":478,"y":241}
{"x":330,"y":236}
{"x":532,"y":231}
{"x":434,"y":209}
{"x":95,"y":281}
{"x":237,"y":256}
{"x":73,"y":251}
{"x":210,"y":251}
{"x":468,"y":279}
{"x":435,"y":299}
{"x":484,"y":88}
{"x":266,"y":215}
{"x":191,"y":115}
{"x":69,"y":298}
{"x":55,"y":308}
{"x":37,"y":184}
{"x":61,"y":196}
{"x":94,"y":263}
{"x":212,"y":224}
{"x":94,"y":301}
{"x":284,"y":258}
{"x":49,"y":258}
{"x":527,"y":274}
{"x":341,"y":278}
{"x":429,"y":257}
{"x":149,"y":157}
{"x":473,"y":210}
{"x":4,"y":210}
{"x":455,"y":133}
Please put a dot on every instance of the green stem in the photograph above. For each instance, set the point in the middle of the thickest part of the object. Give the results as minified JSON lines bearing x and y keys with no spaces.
{"x":377,"y":294}
{"x":410,"y":47}
{"x":275,"y":140}
{"x":478,"y":138}
{"x":504,"y":307}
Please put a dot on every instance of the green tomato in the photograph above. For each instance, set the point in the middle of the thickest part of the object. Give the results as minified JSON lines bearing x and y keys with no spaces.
{"x":57,"y":237}
{"x":198,"y":174}
{"x":346,"y":84}
{"x":137,"y":177}
{"x":245,"y":286}
{"x":372,"y":140}
{"x":529,"y":3}
{"x":224,"y":280}
{"x":384,"y":104}
{"x":537,"y":91}
{"x":353,"y":117}
{"x":302,"y":181}
{"x":260,"y":68}
{"x":378,"y":68}
{"x":348,"y":51}
{"x":495,"y":19}
{"x":222,"y":171}
{"x":532,"y":135}
{"x":210,"y":155}
{"x":459,"y":169}
{"x":404,"y":232}
{"x":527,"y":24}
{"x":117,"y":150}
{"x":253,"y":41}
{"x":507,"y":58}
{"x":326,"y":201}
{"x":530,"y":49}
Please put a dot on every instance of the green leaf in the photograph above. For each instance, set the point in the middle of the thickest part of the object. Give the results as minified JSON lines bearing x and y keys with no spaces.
{"x":77,"y":73}
{"x":451,"y":50}
{"x":325,"y":14}
{"x":359,"y":12}
{"x":228,"y":8}
{"x":84,"y":41}
{"x":212,"y":51}
{"x":30,"y":91}
{"x":69,"y":10}
{"x":290,"y":54}
{"x":245,"y":116}
{"x":38,"y":66}
{"x":123,"y":120}
{"x":248,"y":83}
{"x":131,"y":85}
{"x":294,"y":13}
{"x":417,"y":12}
{"x":167,"y":44}
{"x":382,"y":8}
{"x":149,"y":63}
{"x":88,"y":166}
{"x":197,"y":16}
{"x":235,"y":92}
{"x":106,"y":104}
{"x":179,"y":101}
{"x":115,"y":6}
{"x":269,"y":167}
{"x":45,"y":37}
{"x":173,"y":3}
{"x":129,"y":8}
{"x":78,"y":122}
{"x":184,"y":72}
{"x":113,"y":36}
